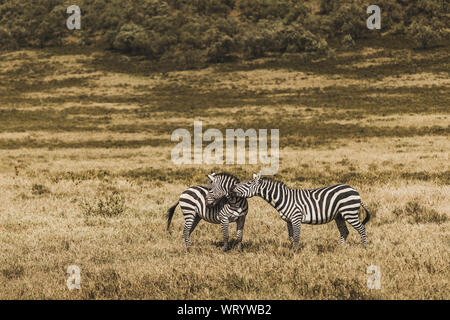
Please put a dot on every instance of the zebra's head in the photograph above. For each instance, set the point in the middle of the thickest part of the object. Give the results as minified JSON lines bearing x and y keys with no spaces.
{"x":249,"y":188}
{"x":220,"y":186}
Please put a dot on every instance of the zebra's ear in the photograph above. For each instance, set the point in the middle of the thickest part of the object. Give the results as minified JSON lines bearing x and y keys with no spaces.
{"x":211,"y":176}
{"x":256,"y":176}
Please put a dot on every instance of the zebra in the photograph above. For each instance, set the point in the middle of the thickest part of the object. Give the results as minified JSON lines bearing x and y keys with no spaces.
{"x":339,"y":202}
{"x":224,"y":209}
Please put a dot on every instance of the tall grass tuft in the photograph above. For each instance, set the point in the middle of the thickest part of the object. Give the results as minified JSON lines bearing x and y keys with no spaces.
{"x":109,"y":204}
{"x":39,"y":189}
{"x":415,"y":212}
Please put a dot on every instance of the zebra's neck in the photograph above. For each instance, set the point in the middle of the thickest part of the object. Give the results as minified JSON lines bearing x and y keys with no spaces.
{"x":275,"y":193}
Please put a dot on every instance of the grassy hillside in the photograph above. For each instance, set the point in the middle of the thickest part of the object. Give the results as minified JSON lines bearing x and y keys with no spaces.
{"x":83,"y":126}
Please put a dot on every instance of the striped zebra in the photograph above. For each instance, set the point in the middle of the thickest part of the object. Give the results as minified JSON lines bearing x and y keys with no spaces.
{"x":317,"y":206}
{"x":224,"y":209}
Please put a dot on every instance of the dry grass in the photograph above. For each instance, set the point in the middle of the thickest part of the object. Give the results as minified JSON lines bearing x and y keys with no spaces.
{"x":86,"y":178}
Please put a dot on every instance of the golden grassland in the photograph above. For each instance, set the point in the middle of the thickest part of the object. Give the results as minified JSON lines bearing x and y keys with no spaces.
{"x":74,"y":129}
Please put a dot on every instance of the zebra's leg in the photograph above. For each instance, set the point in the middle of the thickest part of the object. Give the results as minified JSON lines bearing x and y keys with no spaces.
{"x":240,"y":231}
{"x":186,"y":233}
{"x":340,"y":223}
{"x":224,"y":224}
{"x":352,"y":217}
{"x":296,"y":224}
{"x":290,"y":231}
{"x":194,"y":224}
{"x":189,"y":223}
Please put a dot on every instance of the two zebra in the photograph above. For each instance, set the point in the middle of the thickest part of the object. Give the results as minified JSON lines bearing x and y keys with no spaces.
{"x":340,"y":203}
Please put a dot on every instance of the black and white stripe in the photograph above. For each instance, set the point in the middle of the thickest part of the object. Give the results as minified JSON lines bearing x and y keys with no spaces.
{"x":227,"y":209}
{"x":220,"y":186}
{"x":318,"y":206}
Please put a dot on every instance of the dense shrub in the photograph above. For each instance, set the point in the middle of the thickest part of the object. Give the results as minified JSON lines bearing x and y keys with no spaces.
{"x":425,"y":34}
{"x":286,"y":10}
{"x":267,"y":37}
{"x":220,"y":49}
{"x":193,"y":31}
{"x":326,"y":6}
{"x":133,"y":38}
{"x":7,"y":40}
{"x":350,"y":18}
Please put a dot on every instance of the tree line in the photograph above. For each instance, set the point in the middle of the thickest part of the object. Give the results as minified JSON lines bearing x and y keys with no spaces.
{"x":217,"y":30}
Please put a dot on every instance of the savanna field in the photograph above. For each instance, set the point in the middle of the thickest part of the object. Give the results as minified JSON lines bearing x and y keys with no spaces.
{"x":86,"y":175}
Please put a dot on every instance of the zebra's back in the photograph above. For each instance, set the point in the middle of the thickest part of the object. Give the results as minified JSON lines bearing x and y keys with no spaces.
{"x":322,"y":204}
{"x":193,"y":202}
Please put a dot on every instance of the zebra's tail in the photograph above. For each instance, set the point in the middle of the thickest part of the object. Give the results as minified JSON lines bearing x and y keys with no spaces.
{"x":367,"y":218}
{"x":170,"y":213}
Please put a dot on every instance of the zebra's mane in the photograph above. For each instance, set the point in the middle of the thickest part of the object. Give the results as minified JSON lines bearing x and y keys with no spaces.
{"x":226,"y":174}
{"x":273,"y":180}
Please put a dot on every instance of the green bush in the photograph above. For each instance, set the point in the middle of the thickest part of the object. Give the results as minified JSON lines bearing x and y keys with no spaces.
{"x":425,"y":35}
{"x":287,"y":10}
{"x":254,"y":42}
{"x":301,"y":40}
{"x":423,"y":9}
{"x":132,"y":38}
{"x":7,"y":40}
{"x":350,"y":18}
{"x":52,"y":27}
{"x":392,"y":14}
{"x":219,"y":50}
{"x":275,"y":37}
{"x":326,"y":6}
